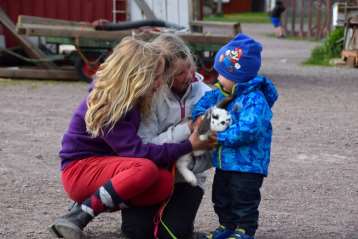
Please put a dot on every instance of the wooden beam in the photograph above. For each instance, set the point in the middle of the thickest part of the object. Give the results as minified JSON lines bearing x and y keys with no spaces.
{"x":197,"y":38}
{"x":217,"y":28}
{"x":57,"y":30}
{"x":148,"y":13}
{"x":74,"y":32}
{"x":24,"y":19}
{"x":29,"y":48}
{"x":41,"y":74}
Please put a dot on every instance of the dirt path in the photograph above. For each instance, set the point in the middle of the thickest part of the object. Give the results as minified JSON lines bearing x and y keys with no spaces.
{"x":311,"y":191}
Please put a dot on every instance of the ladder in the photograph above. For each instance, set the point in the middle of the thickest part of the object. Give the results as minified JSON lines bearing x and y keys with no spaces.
{"x":119,"y":10}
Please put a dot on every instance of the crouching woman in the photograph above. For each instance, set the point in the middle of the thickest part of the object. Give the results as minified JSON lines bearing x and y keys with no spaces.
{"x":105,"y":165}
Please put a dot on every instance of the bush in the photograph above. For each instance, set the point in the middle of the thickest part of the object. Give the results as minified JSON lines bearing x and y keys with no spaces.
{"x":331,"y":48}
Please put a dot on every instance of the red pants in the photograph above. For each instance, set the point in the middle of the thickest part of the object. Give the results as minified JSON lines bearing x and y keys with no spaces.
{"x":139,"y":182}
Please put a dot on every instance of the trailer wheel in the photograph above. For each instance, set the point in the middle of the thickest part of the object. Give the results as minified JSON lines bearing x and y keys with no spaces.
{"x":85,"y":71}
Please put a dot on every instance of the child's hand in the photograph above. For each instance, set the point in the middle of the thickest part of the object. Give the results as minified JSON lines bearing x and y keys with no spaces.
{"x":213,"y":139}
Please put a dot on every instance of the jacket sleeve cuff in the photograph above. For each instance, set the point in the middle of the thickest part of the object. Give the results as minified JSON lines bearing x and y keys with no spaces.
{"x":181,"y":132}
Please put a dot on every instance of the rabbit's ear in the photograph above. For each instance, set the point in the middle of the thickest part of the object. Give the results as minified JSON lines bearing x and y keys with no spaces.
{"x":207,"y":114}
{"x":205,"y":124}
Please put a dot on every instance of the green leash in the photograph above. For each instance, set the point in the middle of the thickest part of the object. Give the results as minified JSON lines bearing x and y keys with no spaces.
{"x":171,"y":234}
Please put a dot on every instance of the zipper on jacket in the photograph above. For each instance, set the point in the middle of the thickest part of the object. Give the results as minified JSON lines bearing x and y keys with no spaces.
{"x":219,"y":156}
{"x":182,"y":109}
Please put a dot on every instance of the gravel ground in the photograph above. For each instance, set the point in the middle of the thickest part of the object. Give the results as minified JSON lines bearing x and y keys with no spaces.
{"x":311,"y":191}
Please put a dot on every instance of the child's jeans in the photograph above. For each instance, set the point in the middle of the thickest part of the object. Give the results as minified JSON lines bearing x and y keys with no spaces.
{"x":236,"y":197}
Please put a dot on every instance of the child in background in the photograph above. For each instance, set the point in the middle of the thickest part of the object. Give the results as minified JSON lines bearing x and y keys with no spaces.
{"x":276,"y":19}
{"x":242,"y":156}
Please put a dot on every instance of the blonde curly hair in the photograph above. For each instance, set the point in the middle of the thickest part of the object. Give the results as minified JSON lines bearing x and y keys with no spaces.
{"x":123,"y":80}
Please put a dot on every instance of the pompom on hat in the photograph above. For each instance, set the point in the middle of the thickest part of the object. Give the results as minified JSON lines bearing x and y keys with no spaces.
{"x":240,"y":59}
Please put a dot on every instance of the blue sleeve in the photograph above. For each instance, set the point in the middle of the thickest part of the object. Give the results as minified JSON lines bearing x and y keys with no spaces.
{"x":208,"y":100}
{"x":253,"y":118}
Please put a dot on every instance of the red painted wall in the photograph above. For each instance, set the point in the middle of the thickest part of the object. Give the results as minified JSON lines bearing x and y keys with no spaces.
{"x":74,"y":10}
{"x":235,"y":6}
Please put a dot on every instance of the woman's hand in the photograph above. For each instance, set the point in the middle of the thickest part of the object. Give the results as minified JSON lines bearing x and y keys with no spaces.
{"x":198,"y":144}
{"x":195,"y":124}
{"x":191,"y":125}
{"x":213,"y":139}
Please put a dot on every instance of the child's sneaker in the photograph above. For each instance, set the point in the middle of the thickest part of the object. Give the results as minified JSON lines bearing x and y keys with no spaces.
{"x":220,"y":233}
{"x":240,"y":234}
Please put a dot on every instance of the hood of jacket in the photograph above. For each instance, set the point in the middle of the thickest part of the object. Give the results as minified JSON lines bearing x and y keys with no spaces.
{"x":261,"y":83}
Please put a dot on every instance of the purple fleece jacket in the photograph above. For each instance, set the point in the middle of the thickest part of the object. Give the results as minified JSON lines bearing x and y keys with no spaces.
{"x":122,"y":140}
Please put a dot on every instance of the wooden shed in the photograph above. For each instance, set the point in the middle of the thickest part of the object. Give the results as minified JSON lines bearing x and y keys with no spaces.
{"x":174,"y":11}
{"x":78,"y":10}
{"x":235,"y":6}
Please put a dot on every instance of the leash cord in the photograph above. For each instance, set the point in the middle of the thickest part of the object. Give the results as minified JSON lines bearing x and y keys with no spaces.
{"x":158,"y":218}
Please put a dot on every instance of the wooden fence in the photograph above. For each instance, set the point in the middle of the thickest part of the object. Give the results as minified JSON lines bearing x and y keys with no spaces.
{"x":308,"y":18}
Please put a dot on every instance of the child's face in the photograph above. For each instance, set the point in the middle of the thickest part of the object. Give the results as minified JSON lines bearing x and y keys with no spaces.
{"x":183,"y":76}
{"x":226,"y":83}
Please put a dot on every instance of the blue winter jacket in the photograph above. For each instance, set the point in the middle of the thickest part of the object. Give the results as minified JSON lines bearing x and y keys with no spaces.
{"x":245,"y":146}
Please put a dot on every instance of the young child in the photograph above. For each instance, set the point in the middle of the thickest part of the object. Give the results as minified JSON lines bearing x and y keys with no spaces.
{"x":242,"y":156}
{"x":168,"y":123}
{"x":276,"y":18}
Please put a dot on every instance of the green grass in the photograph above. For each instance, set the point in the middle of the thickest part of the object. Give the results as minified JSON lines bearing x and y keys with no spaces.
{"x":329,"y":49}
{"x":246,"y":17}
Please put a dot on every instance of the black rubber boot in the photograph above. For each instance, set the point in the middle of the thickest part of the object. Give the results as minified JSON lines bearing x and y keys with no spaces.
{"x":70,"y":225}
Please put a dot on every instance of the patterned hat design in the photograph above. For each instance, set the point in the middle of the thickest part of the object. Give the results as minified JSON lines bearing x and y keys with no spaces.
{"x":240,"y":59}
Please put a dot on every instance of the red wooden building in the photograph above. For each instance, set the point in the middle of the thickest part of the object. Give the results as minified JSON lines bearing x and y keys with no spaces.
{"x":236,"y":6}
{"x":75,"y":10}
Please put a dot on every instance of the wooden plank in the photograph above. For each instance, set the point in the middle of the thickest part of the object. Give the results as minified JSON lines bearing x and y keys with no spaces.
{"x":41,"y":74}
{"x":29,"y":48}
{"x":148,"y":13}
{"x":90,"y":32}
{"x":60,"y":31}
{"x":197,"y":38}
{"x":24,"y":19}
{"x":217,"y":28}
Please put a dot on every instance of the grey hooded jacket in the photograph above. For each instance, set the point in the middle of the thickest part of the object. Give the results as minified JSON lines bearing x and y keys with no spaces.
{"x":168,"y":121}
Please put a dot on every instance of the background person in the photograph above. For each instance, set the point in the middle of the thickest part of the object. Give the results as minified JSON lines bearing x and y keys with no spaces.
{"x":276,"y":19}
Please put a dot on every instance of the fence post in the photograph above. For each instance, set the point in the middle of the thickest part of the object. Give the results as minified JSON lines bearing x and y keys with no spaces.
{"x":293,"y":22}
{"x":286,"y":3}
{"x":318,"y":25}
{"x":329,"y":15}
{"x":302,"y":15}
{"x":310,"y":18}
